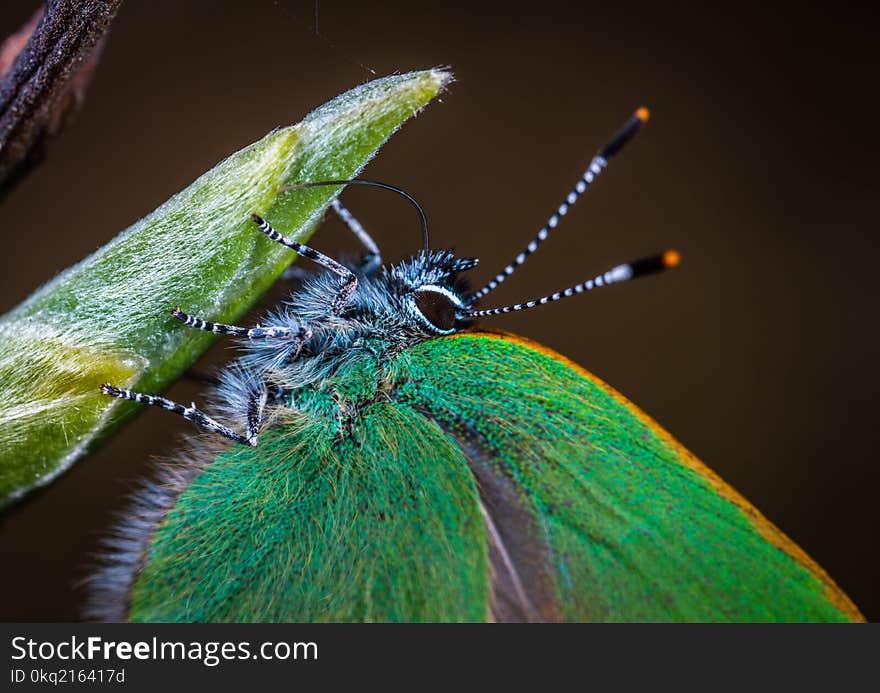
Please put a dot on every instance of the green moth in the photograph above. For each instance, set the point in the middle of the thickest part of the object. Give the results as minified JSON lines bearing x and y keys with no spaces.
{"x":374,"y":457}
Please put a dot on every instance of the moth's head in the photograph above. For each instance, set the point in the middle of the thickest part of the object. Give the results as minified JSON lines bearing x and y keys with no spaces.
{"x":433,"y":293}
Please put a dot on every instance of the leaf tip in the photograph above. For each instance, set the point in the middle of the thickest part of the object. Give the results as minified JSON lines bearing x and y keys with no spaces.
{"x":443,"y":76}
{"x":435,"y":80}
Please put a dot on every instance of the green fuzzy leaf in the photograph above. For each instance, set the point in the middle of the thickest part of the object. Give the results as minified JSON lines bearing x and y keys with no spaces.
{"x":108,"y":317}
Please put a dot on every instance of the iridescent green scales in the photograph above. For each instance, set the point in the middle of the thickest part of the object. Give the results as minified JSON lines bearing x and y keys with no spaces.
{"x":364,"y":504}
{"x":633,"y":531}
{"x":379,"y":526}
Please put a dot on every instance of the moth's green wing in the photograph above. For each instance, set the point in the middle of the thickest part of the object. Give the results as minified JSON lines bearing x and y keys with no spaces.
{"x":597,"y":513}
{"x":475,"y":476}
{"x":384,"y":526}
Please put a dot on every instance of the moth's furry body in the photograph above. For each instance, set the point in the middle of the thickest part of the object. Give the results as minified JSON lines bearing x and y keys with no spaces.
{"x":375,"y":323}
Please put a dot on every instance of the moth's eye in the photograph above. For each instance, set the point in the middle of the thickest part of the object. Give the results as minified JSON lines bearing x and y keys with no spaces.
{"x":438,"y":306}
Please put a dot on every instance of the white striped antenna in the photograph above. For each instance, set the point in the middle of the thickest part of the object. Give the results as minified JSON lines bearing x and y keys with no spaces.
{"x":621,"y":273}
{"x":597,"y":165}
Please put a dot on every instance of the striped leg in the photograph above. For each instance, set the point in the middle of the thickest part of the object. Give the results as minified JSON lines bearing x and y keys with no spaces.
{"x":373,"y":259}
{"x":349,"y":280}
{"x":192,"y":413}
{"x":256,"y":406}
{"x":301,"y":334}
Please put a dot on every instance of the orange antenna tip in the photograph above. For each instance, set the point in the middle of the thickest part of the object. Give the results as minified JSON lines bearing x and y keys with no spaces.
{"x":671,"y":258}
{"x":643,"y":114}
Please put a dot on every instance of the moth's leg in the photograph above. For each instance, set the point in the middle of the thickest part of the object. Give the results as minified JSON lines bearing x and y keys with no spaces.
{"x":190,"y":413}
{"x":370,"y":263}
{"x":373,"y":259}
{"x":300,"y":334}
{"x":256,"y":407}
{"x":349,"y":280}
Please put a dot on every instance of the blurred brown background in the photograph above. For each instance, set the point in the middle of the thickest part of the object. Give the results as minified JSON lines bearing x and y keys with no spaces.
{"x":759,"y":164}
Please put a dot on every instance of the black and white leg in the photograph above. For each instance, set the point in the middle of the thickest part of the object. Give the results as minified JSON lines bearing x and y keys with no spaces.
{"x":255,"y":409}
{"x":194,"y":414}
{"x":373,"y":259}
{"x":349,"y":280}
{"x":300,"y":333}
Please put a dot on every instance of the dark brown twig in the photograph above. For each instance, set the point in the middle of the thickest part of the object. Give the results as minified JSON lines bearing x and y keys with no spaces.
{"x":46,"y":80}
